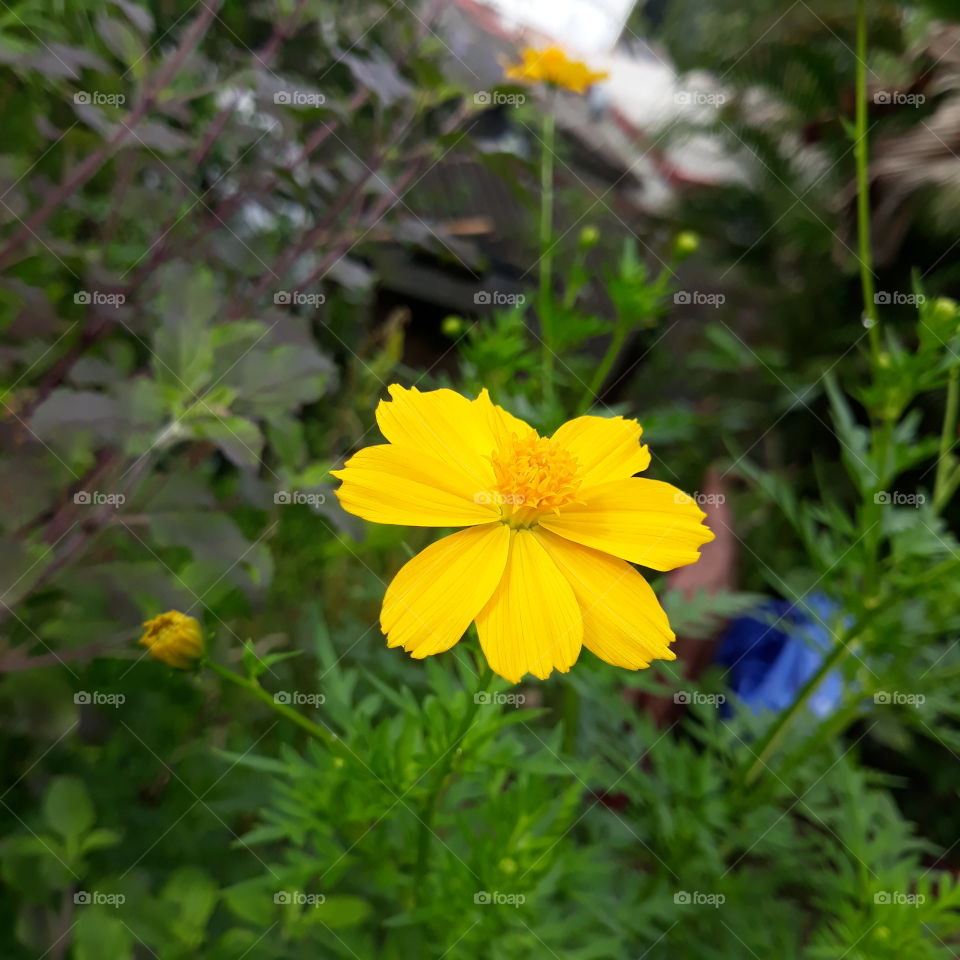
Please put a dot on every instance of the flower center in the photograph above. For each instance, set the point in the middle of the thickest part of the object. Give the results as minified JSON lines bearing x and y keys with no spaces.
{"x":534,"y":475}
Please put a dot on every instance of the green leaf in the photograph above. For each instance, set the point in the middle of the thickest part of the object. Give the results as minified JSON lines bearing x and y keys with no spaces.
{"x":68,"y":809}
{"x":195,"y":895}
{"x":100,"y":840}
{"x":97,"y":935}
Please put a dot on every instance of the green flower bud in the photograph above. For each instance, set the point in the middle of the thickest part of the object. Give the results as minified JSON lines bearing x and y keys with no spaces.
{"x":686,"y":243}
{"x":589,"y":237}
{"x":452,"y":326}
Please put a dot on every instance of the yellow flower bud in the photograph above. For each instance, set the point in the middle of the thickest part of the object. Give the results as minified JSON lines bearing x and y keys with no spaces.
{"x":686,"y":243}
{"x":174,"y":638}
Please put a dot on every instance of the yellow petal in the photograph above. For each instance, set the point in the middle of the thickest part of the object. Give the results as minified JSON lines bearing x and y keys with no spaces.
{"x":433,"y":598}
{"x":443,"y":425}
{"x":643,"y":521}
{"x":623,"y":622}
{"x":532,"y":623}
{"x":606,"y":449}
{"x":501,"y":424}
{"x":390,"y":483}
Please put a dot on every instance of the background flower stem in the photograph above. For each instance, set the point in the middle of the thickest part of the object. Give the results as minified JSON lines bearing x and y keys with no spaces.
{"x":254,"y":688}
{"x":426,"y":832}
{"x":862,"y":153}
{"x":545,"y":300}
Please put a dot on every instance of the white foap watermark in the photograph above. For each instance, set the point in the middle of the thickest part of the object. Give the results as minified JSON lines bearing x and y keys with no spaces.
{"x":297,"y":298}
{"x":84,"y":898}
{"x":286,"y":497}
{"x":97,"y":98}
{"x":494,"y":98}
{"x":497,"y":298}
{"x":896,"y":498}
{"x":698,"y":898}
{"x":897,"y":98}
{"x":898,"y":298}
{"x":699,"y":98}
{"x":899,"y":698}
{"x":899,"y":898}
{"x":698,"y":298}
{"x":298,"y":897}
{"x":487,"y":497}
{"x":496,"y":898}
{"x":701,"y":499}
{"x":299,"y":698}
{"x":299,"y":98}
{"x":96,"y":698}
{"x":98,"y":298}
{"x":97,"y":498}
{"x":486,"y":698}
{"x":696,"y":697}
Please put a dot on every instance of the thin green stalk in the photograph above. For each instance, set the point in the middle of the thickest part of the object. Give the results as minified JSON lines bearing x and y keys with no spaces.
{"x":778,"y":731}
{"x":600,"y":374}
{"x":621,"y":331}
{"x":287,"y":712}
{"x":429,"y":812}
{"x":771,"y":740}
{"x":945,"y":478}
{"x":545,"y":305}
{"x":861,"y":153}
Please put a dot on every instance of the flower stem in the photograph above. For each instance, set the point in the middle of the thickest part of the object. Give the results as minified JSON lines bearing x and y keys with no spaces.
{"x":861,"y":153}
{"x":545,"y":300}
{"x":254,"y":688}
{"x":600,"y":373}
{"x":443,"y":770}
{"x":771,"y":740}
{"x":945,"y":481}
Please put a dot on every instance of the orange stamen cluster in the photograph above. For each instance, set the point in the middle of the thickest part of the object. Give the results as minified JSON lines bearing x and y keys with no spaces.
{"x":535,"y":475}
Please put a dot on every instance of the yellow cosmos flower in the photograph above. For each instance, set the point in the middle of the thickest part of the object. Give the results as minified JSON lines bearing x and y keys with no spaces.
{"x":174,"y":638}
{"x":552,"y":65}
{"x":551,"y":523}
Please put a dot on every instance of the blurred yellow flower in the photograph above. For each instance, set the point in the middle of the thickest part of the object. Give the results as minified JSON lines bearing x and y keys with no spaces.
{"x":552,"y":65}
{"x":174,"y":638}
{"x":553,"y":524}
